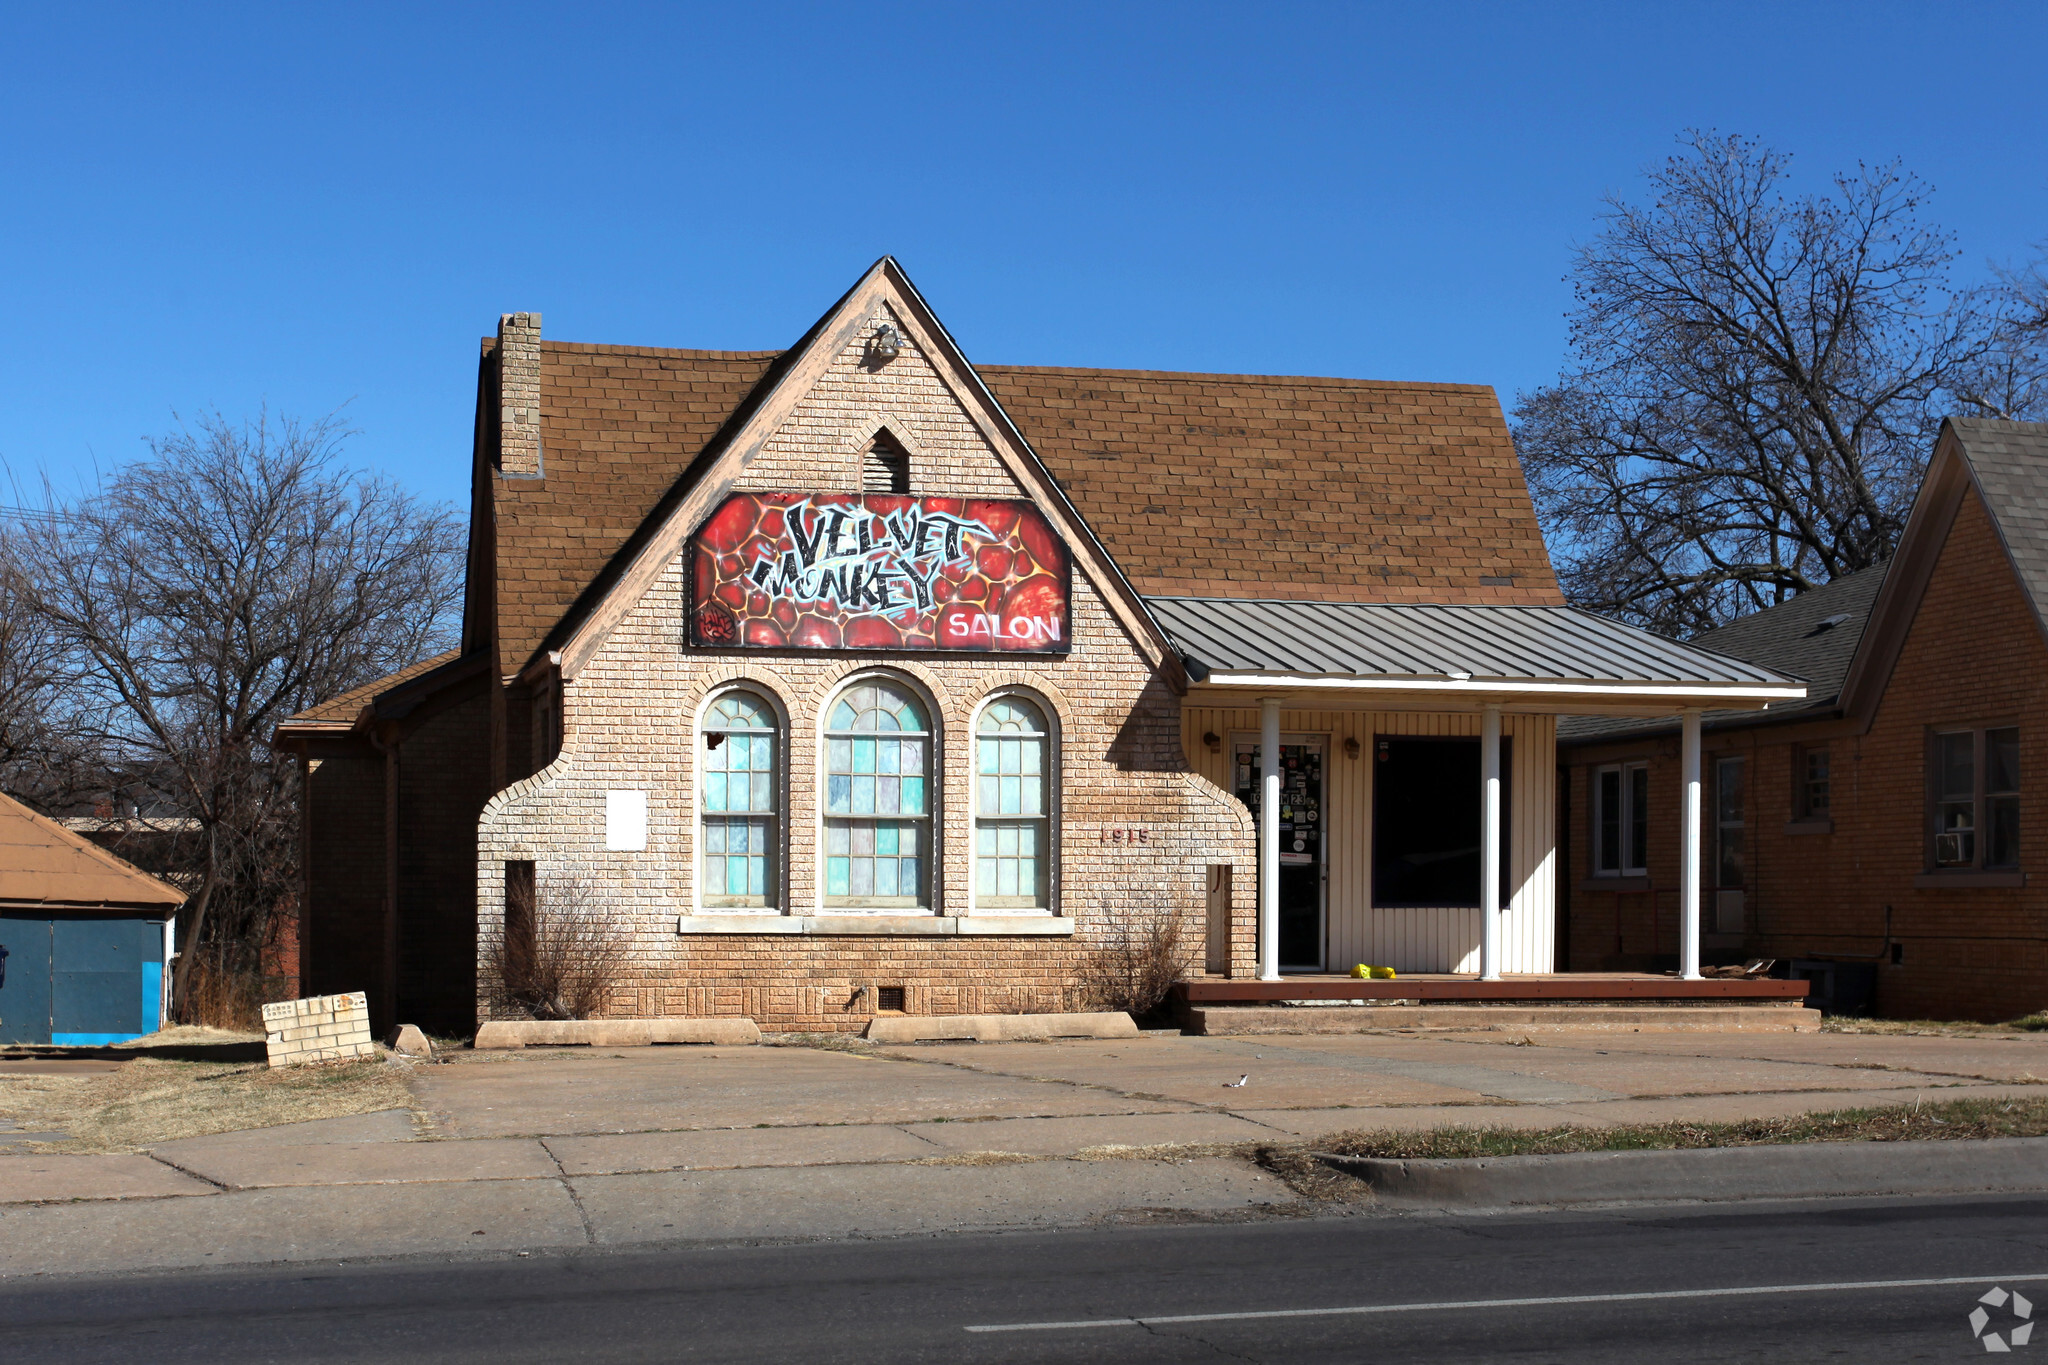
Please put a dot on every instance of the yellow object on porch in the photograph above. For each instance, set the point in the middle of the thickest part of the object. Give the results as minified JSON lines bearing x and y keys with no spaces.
{"x":1382,"y":973}
{"x":1361,"y":971}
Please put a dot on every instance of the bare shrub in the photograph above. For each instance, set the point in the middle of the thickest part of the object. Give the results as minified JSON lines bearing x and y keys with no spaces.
{"x":222,"y":992}
{"x":1135,"y":967}
{"x":561,"y":955}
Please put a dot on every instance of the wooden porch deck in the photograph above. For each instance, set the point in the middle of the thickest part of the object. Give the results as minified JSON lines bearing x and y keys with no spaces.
{"x":1548,"y":988}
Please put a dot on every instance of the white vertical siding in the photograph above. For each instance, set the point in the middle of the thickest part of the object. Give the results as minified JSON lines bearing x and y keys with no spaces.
{"x":1413,"y":940}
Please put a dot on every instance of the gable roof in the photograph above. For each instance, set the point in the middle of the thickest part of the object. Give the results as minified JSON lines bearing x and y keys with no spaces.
{"x":2006,"y":465}
{"x":651,"y":547}
{"x":1226,"y":485}
{"x":1281,"y":486}
{"x":1814,"y":636}
{"x":342,"y":712}
{"x":44,"y":864}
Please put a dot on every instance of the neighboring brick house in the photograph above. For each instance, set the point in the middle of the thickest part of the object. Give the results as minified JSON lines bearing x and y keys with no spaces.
{"x":1887,"y":823}
{"x":857,"y":677}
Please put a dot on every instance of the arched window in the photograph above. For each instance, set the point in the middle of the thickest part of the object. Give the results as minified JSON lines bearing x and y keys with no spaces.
{"x":1012,"y":832}
{"x":878,"y":828}
{"x":742,"y":780}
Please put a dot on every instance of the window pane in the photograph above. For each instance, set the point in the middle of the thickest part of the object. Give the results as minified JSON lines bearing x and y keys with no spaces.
{"x":1955,"y":843}
{"x":1607,"y":797}
{"x":1816,"y":789}
{"x":1956,"y":774}
{"x":1639,"y":818}
{"x":2002,"y":839}
{"x":1728,"y":790}
{"x":1731,"y":860}
{"x":2002,"y":760}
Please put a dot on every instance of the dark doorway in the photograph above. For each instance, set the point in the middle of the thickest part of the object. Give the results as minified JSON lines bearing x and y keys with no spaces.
{"x":1302,"y":828}
{"x":1425,"y":821}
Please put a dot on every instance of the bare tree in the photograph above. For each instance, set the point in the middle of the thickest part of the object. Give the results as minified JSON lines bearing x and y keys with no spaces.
{"x":47,"y":754}
{"x":1757,"y":382}
{"x":234,"y":577}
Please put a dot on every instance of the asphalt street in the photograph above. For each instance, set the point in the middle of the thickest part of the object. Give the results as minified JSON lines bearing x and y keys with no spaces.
{"x":1783,"y":1282}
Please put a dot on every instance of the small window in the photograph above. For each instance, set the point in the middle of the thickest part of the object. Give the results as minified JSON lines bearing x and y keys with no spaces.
{"x":1810,"y":800}
{"x":1974,"y":796}
{"x":877,"y":807}
{"x":885,"y":466}
{"x":1013,"y":775}
{"x":1730,"y":854}
{"x":742,"y":784}
{"x":1621,"y":829}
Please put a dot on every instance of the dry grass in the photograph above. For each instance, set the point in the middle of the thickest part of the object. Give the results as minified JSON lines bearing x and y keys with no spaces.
{"x":1954,"y":1120}
{"x":1939,"y":1028}
{"x":151,"y":1100}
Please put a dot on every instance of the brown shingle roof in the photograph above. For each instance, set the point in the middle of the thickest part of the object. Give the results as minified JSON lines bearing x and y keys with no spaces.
{"x":1267,"y":486}
{"x":344,"y":709}
{"x":619,"y":425}
{"x":43,"y":863}
{"x":1220,"y":485}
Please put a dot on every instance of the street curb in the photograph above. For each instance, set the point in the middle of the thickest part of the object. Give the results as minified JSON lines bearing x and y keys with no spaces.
{"x":515,"y":1033}
{"x":1787,"y":1171}
{"x":998,"y":1028}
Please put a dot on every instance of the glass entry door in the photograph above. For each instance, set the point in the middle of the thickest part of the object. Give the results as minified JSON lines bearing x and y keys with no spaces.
{"x":1302,"y":843}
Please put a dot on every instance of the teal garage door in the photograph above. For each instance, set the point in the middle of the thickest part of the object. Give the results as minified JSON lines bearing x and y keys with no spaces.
{"x":25,"y":990}
{"x":81,"y":982}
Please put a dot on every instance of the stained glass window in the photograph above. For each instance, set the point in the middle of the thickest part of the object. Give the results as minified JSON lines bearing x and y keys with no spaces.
{"x":1012,"y":848}
{"x":741,"y":784}
{"x":877,"y":798}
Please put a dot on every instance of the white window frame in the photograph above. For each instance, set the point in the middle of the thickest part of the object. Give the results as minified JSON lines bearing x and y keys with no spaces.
{"x":778,"y":859}
{"x":1049,"y":819}
{"x":1630,"y":820}
{"x":933,"y":818}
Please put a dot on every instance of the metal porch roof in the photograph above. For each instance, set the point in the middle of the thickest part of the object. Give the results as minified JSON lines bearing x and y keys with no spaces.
{"x":1500,"y":646}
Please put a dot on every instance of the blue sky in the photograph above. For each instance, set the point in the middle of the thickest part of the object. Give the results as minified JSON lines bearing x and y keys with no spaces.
{"x":322,"y":208}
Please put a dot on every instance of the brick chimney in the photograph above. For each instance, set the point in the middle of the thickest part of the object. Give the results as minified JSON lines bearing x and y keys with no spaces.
{"x":519,"y":395}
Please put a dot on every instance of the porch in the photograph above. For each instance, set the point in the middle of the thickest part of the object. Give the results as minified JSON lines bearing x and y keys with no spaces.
{"x":1399,"y":761}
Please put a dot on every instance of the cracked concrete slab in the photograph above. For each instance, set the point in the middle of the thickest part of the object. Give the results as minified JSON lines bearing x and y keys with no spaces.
{"x":50,"y":1178}
{"x":318,"y":1223}
{"x":385,"y":1125}
{"x":611,"y":1154}
{"x":701,"y":1088}
{"x":249,"y":1166}
{"x":841,"y":1201}
{"x":1063,"y":1137}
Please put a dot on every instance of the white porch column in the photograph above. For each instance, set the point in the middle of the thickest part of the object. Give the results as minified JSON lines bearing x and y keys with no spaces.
{"x":1689,"y":850}
{"x":1489,"y":845}
{"x":1269,"y":838}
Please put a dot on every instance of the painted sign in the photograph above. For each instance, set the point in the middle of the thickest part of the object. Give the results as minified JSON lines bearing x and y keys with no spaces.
{"x":878,"y":571}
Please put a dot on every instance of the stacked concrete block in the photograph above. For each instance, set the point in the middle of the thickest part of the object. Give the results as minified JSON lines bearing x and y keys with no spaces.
{"x":324,"y":1028}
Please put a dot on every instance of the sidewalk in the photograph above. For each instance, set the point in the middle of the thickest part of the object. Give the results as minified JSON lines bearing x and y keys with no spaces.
{"x":571,"y":1148}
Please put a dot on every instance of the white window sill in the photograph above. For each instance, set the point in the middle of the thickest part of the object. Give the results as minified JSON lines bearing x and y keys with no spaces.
{"x":896,"y":926}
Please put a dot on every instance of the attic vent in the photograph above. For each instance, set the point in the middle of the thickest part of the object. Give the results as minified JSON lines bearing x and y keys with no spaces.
{"x":885,"y":466}
{"x":1830,"y":622}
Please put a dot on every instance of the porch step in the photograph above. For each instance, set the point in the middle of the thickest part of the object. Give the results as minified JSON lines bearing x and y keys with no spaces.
{"x":1772,"y":1017}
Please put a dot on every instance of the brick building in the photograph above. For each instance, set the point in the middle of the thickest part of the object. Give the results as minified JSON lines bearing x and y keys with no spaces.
{"x":1878,"y":831}
{"x":858,"y":677}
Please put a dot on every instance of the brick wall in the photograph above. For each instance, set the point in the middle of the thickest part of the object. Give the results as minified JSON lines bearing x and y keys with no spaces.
{"x":629,"y":723}
{"x":343,"y":905}
{"x":327,"y":1028}
{"x":1973,"y":656}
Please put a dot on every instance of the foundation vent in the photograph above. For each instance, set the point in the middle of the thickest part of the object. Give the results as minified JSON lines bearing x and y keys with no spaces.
{"x":889,"y":998}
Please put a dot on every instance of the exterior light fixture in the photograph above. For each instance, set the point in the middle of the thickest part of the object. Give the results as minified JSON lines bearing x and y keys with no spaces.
{"x":1214,"y":741}
{"x":1351,"y":747}
{"x":888,"y":342}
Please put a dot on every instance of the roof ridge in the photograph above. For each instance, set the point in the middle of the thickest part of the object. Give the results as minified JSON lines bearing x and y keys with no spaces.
{"x":1340,"y":381}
